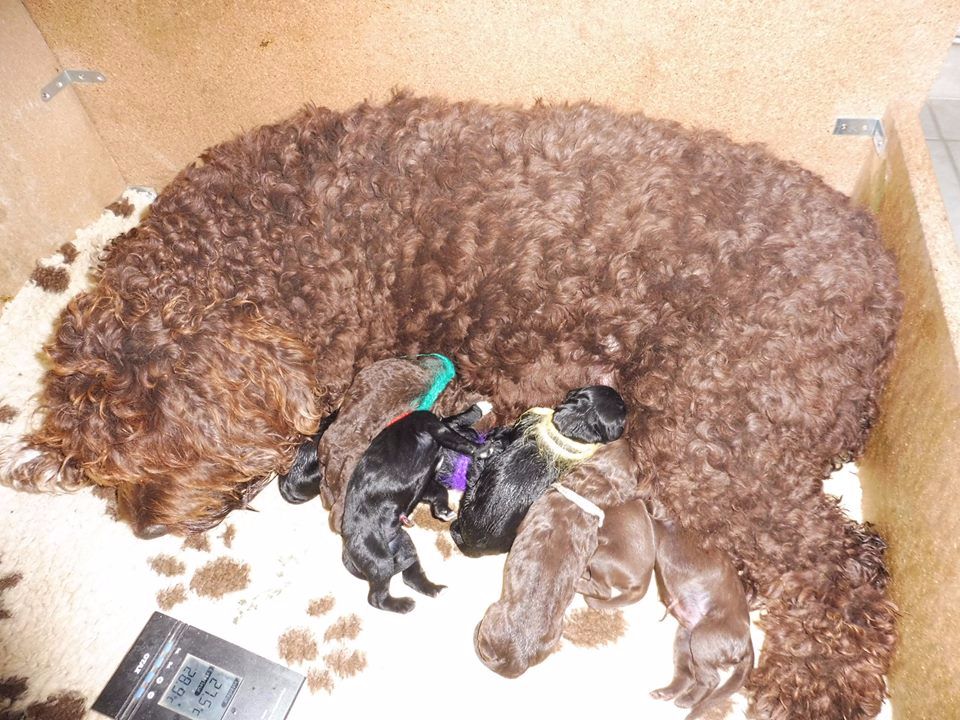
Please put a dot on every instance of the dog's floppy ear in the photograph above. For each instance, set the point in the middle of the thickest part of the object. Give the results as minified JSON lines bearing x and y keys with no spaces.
{"x":553,"y":546}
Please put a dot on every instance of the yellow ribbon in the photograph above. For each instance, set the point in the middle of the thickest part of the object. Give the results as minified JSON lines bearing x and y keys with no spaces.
{"x":552,"y":441}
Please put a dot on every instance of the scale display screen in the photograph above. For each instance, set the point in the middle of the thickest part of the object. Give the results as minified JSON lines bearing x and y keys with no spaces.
{"x":174,"y":670}
{"x":200,"y":690}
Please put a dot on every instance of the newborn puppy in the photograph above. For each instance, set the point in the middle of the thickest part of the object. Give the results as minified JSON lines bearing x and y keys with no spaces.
{"x":379,"y":393}
{"x":554,"y":544}
{"x":393,"y":475}
{"x":302,"y":481}
{"x":702,"y":590}
{"x":624,"y":558}
{"x":526,"y":458}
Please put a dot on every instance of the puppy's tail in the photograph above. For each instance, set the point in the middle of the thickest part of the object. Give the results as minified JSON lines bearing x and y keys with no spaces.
{"x":736,"y":681}
{"x":302,"y":482}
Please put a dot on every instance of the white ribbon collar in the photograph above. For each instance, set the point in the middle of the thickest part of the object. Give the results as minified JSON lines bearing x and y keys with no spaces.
{"x":580,"y":501}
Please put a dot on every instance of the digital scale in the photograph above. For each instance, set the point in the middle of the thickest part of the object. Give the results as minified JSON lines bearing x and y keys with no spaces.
{"x":175,"y":670}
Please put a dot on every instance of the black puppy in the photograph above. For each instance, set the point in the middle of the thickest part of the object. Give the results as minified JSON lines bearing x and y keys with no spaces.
{"x":302,"y":481}
{"x":525,"y":459}
{"x":395,"y":473}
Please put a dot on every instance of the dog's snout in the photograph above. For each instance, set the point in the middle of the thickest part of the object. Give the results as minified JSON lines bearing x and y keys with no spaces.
{"x":149,"y":532}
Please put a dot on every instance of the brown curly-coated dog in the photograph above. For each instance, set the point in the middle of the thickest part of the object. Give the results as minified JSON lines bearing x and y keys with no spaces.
{"x":744,"y":310}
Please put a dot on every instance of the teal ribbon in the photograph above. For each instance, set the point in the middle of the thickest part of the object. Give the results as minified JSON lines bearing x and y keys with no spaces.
{"x":440,"y":382}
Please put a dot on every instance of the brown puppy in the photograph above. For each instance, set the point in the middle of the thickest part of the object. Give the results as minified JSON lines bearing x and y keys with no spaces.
{"x":702,"y":590}
{"x":624,"y":558}
{"x":553,"y":546}
{"x":379,"y":393}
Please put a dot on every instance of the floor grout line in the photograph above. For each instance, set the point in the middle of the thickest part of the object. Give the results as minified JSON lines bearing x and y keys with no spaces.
{"x":950,"y":158}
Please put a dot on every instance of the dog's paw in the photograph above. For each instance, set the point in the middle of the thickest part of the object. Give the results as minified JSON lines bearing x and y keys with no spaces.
{"x":690,"y":697}
{"x":399,"y":605}
{"x":664,"y":693}
{"x":485,"y":407}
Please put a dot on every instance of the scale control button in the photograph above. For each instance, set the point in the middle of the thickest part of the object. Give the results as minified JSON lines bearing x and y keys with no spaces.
{"x":150,"y":695}
{"x":160,"y":680}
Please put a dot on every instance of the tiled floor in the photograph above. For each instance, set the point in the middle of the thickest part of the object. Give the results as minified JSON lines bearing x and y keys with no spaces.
{"x":941,"y":126}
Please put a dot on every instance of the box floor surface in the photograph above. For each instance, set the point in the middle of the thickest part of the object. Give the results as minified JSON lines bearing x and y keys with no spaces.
{"x":76,"y":587}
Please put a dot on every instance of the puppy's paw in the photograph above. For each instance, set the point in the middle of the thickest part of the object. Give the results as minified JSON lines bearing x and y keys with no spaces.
{"x":664,"y":693}
{"x":436,"y":590}
{"x":425,"y":587}
{"x":398,"y":605}
{"x":485,"y":407}
{"x":690,"y":697}
{"x":453,"y":500}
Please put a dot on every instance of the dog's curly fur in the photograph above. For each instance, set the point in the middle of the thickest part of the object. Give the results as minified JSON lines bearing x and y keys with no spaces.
{"x":745,"y":311}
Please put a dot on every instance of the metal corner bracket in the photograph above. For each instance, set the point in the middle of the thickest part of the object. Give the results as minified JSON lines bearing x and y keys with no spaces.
{"x":863,"y":126}
{"x":69,"y":77}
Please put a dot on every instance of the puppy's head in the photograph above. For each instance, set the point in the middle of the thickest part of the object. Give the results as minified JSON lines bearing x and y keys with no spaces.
{"x":502,"y":647}
{"x":554,"y":543}
{"x":593,"y":414}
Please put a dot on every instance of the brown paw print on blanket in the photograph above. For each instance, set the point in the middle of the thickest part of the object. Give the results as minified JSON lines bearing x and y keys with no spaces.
{"x":7,"y":581}
{"x":213,"y":579}
{"x":321,"y":644}
{"x":585,"y":627}
{"x":299,"y":646}
{"x":422,"y":518}
{"x":66,"y":705}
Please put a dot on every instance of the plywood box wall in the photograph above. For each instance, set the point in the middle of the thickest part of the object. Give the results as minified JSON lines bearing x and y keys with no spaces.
{"x":182,"y":76}
{"x":909,"y":473}
{"x":55,"y":173}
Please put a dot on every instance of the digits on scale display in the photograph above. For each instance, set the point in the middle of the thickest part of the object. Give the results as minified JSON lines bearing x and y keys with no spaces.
{"x":200,"y":690}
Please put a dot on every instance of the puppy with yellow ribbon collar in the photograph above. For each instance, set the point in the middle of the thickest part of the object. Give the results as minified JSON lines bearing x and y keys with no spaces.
{"x":526,"y":458}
